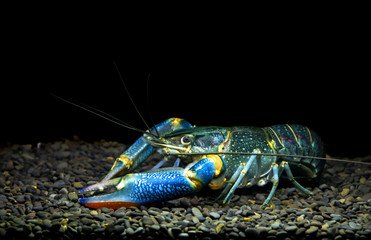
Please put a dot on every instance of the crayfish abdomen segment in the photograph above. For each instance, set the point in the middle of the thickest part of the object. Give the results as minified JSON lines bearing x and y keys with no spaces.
{"x":295,"y":139}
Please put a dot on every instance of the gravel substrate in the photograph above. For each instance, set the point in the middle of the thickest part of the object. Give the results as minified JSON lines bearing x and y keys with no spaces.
{"x":39,"y":199}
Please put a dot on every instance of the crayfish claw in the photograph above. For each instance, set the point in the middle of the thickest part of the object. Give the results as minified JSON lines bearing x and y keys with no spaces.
{"x":101,"y":185}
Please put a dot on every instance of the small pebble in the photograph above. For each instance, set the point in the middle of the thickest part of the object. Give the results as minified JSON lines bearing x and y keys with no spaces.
{"x":72,"y":196}
{"x":345,"y":192}
{"x":196,"y":212}
{"x":300,"y":218}
{"x":63,"y":191}
{"x":214,"y":215}
{"x":276,"y":224}
{"x":147,"y":220}
{"x":260,"y":197}
{"x":43,"y":214}
{"x":77,"y":185}
{"x":318,"y":218}
{"x":130,"y":231}
{"x":311,"y":230}
{"x":291,"y":228}
{"x":355,"y":226}
{"x":252,"y":233}
{"x":183,"y":235}
{"x":87,"y":221}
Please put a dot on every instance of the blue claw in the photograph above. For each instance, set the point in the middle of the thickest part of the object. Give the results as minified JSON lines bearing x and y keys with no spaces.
{"x":157,"y":185}
{"x":143,"y":188}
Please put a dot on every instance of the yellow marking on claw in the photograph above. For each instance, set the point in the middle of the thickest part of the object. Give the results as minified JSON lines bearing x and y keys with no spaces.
{"x":194,"y":182}
{"x":122,"y":182}
{"x":217,"y":186}
{"x":125,"y":160}
{"x":175,"y":123}
{"x":217,"y":161}
{"x":190,"y":174}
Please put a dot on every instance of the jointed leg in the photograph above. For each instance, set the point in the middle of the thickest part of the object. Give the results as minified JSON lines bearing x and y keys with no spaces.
{"x":277,"y":171}
{"x":275,"y":179}
{"x":292,"y":179}
{"x":236,"y":179}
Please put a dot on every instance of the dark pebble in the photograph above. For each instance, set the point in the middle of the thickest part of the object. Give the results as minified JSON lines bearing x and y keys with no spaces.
{"x":55,"y":226}
{"x":3,"y":212}
{"x":59,"y":183}
{"x":252,"y":232}
{"x":185,"y":203}
{"x":20,"y":199}
{"x":241,"y":226}
{"x":99,"y":230}
{"x":118,"y":228}
{"x":155,"y":227}
{"x":31,"y":189}
{"x":100,"y":217}
{"x":300,"y":231}
{"x":234,"y":235}
{"x":291,"y":228}
{"x":72,"y":196}
{"x":87,"y":221}
{"x":110,"y":228}
{"x":214,"y":215}
{"x":204,"y":229}
{"x":43,"y":214}
{"x":2,"y":232}
{"x":130,"y":231}
{"x":318,"y":218}
{"x":311,"y":230}
{"x":119,"y":213}
{"x":106,"y":210}
{"x":86,"y":228}
{"x":174,"y":232}
{"x":147,"y":220}
{"x":260,"y":197}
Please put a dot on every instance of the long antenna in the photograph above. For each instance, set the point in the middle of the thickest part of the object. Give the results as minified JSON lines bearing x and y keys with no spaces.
{"x":267,"y":154}
{"x":149,"y":106}
{"x":103,"y":115}
{"x":128,"y":93}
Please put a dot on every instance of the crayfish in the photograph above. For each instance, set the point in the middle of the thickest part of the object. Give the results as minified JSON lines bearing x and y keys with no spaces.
{"x":222,"y":158}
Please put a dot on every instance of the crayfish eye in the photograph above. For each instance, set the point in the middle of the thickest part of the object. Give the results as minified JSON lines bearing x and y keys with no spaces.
{"x":186,"y":140}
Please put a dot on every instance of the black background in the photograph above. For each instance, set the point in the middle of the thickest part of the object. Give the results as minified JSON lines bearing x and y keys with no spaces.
{"x":313,"y":72}
{"x":321,"y":86}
